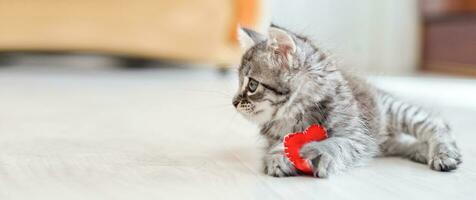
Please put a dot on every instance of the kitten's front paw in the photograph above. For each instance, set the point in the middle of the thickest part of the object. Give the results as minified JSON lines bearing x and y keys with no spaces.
{"x":277,"y":165}
{"x":323,"y":164}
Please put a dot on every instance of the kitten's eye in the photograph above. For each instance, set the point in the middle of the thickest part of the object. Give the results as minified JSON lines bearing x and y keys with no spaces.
{"x":252,"y":85}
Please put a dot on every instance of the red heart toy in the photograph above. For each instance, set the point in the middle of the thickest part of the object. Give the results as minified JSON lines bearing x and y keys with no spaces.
{"x":294,"y":141}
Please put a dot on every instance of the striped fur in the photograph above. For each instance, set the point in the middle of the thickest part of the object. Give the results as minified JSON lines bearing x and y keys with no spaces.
{"x":299,"y":85}
{"x":433,"y":142}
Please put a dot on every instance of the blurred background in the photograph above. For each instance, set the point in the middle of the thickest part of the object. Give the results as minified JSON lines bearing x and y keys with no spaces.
{"x":379,"y":37}
{"x":116,"y":99}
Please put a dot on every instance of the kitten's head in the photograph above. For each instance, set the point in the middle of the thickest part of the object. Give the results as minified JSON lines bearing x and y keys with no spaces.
{"x":267,"y":73}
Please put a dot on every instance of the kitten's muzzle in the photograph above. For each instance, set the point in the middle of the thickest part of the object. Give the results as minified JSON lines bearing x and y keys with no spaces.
{"x":236,"y":102}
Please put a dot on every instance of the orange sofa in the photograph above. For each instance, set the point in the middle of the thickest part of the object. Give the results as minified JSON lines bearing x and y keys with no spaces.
{"x":186,"y":30}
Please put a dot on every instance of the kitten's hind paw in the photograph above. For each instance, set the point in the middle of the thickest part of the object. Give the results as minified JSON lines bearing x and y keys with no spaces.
{"x":444,"y":163}
{"x":445,"y":159}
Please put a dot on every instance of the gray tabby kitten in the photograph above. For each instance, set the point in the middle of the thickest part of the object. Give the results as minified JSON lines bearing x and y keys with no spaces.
{"x":287,"y":84}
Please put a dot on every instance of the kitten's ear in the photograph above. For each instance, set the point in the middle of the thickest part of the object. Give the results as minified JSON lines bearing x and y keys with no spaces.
{"x":281,"y":41}
{"x":248,"y":38}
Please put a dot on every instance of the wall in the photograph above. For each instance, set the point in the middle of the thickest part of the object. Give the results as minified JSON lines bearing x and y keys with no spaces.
{"x":378,"y":36}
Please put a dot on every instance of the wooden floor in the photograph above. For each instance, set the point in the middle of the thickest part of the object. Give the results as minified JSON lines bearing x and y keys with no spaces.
{"x":172,"y":134}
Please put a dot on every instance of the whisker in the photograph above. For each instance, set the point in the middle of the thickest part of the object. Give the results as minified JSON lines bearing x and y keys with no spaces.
{"x":217,"y":106}
{"x":210,"y":92}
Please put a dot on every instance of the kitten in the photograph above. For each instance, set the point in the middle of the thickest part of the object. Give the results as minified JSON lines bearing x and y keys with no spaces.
{"x":286,"y":84}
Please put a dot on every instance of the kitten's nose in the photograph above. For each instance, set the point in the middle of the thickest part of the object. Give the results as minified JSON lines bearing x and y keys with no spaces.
{"x":235,"y":103}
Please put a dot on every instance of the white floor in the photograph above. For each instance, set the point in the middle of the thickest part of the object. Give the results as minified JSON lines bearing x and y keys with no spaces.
{"x":172,"y":134}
